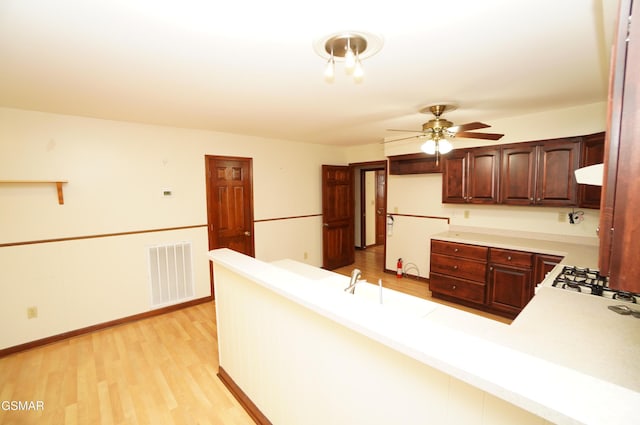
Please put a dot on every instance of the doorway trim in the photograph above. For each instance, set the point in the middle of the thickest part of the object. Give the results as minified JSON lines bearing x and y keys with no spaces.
{"x":359,"y":167}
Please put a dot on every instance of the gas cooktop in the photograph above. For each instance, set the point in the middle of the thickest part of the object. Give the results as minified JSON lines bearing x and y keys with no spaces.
{"x":589,"y":281}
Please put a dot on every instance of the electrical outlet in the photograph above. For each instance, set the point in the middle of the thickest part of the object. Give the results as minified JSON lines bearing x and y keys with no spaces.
{"x":306,"y":255}
{"x":32,"y":312}
{"x":562,"y":217}
{"x":466,"y":213}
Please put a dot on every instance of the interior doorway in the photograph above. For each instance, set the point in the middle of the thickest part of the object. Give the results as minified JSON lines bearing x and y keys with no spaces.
{"x":370,"y":181}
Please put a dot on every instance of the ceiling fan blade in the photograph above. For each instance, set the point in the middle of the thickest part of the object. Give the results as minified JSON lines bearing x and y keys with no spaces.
{"x":405,"y":131}
{"x":469,"y":126}
{"x":487,"y":136}
{"x":405,"y":138}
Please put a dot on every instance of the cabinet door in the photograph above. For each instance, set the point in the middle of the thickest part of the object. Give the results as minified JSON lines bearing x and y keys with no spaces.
{"x":544,"y":263}
{"x":555,"y":181}
{"x":517,"y":177}
{"x":454,"y":177}
{"x":592,"y":153}
{"x":619,"y":222}
{"x":484,"y":171}
{"x":509,"y":288}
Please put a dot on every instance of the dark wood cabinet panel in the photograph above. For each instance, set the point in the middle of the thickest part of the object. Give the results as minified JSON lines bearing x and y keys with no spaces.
{"x":540,"y":173}
{"x":510,"y":280}
{"x":544,"y":263}
{"x":459,"y":267}
{"x":483,"y":175}
{"x":418,"y":163}
{"x":555,"y":181}
{"x":473,"y":252}
{"x":619,"y":222}
{"x":471,"y":176}
{"x":592,"y":153}
{"x":509,"y":288}
{"x":517,"y":178}
{"x":454,"y":177}
{"x":457,"y":288}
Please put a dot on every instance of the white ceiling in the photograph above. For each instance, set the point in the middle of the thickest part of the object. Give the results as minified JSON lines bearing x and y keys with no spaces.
{"x":249,"y":67}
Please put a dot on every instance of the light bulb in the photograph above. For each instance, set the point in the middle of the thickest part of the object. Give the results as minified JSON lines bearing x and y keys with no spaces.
{"x":358,"y":72}
{"x":329,"y":71}
{"x":349,"y":60}
{"x":445,"y":146}
{"x":429,"y":147}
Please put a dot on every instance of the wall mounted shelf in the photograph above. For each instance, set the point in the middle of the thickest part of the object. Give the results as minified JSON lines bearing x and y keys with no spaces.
{"x":58,"y":184}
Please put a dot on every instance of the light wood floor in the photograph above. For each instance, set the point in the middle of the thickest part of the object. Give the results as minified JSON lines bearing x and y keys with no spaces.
{"x":160,"y":370}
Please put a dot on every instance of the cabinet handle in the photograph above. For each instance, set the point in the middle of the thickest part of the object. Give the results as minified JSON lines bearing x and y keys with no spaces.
{"x":539,"y":199}
{"x":455,"y":267}
{"x":453,"y":287}
{"x":531,"y":199}
{"x":598,"y":231}
{"x":509,"y":258}
{"x":456,"y":250}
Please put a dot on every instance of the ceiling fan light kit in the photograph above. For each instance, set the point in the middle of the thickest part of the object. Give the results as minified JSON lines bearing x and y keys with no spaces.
{"x":438,"y":130}
{"x":350,"y":47}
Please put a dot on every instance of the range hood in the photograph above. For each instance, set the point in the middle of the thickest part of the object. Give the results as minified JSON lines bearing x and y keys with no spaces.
{"x":593,"y":175}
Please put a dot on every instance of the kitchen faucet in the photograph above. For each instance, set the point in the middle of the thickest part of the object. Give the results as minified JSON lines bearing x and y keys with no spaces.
{"x":355,"y":275}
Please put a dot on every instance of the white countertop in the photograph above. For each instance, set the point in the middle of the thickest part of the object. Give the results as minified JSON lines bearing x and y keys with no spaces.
{"x":566,"y":358}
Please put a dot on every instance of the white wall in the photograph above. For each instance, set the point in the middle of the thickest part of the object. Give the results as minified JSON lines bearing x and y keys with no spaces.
{"x":116,"y":172}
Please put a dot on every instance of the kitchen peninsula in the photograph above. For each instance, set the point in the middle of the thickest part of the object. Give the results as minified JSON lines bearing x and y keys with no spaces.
{"x":303,"y":351}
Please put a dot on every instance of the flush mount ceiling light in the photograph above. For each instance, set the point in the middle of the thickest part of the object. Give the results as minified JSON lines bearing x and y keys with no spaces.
{"x":350,"y":47}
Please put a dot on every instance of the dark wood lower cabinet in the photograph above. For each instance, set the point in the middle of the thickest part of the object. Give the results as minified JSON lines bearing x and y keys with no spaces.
{"x":509,"y":288}
{"x":497,"y":280}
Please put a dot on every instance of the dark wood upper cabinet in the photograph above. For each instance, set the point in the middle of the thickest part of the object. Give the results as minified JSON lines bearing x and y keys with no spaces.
{"x":416,"y":163}
{"x":471,"y":176}
{"x":619,"y":222}
{"x":592,"y":153}
{"x":517,"y":178}
{"x":555,"y":181}
{"x":484,"y":173}
{"x":454,"y":177}
{"x":540,"y":173}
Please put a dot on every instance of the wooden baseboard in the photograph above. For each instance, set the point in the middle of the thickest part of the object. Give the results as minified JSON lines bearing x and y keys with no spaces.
{"x":93,"y":328}
{"x":242,"y":398}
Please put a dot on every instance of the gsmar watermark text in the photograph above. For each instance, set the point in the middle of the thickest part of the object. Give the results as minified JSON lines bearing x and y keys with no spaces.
{"x":23,"y":405}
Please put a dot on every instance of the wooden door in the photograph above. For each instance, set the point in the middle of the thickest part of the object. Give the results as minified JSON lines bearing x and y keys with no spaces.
{"x":338,"y":244}
{"x":484,"y":171}
{"x":230,"y":203}
{"x":556,"y":183}
{"x":381,"y":206}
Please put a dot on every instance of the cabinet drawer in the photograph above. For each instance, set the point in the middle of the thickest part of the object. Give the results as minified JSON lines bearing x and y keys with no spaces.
{"x":473,"y":252}
{"x":459,"y":267}
{"x":459,"y":288}
{"x":512,"y":258}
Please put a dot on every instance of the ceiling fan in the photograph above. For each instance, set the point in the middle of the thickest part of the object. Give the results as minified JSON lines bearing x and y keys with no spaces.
{"x":438,"y":130}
